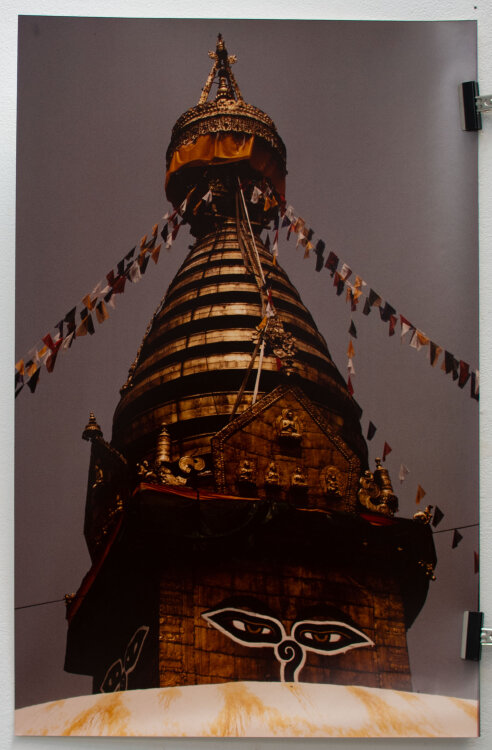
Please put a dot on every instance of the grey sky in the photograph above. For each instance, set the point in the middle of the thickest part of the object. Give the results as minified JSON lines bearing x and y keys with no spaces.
{"x":378,"y":166}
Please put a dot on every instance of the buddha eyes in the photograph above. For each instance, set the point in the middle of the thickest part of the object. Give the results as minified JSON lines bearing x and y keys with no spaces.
{"x":251,"y":627}
{"x":329,"y":637}
{"x":323,"y":637}
{"x":243,"y":626}
{"x":256,"y":629}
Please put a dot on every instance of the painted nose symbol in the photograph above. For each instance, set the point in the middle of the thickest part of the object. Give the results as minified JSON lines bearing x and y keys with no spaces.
{"x":291,"y":657}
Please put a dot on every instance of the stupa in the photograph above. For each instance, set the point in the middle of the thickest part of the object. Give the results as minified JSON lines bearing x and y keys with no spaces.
{"x":235,"y":528}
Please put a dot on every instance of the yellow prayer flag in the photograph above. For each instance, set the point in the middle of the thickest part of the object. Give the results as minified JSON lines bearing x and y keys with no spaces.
{"x":350,"y":350}
{"x":262,"y":324}
{"x":143,"y":241}
{"x":437,"y":353}
{"x":82,"y":329}
{"x":155,"y":253}
{"x":420,"y":494}
{"x":101,"y":312}
{"x":32,"y":369}
{"x":19,"y":366}
{"x":155,"y":229}
{"x":88,"y":301}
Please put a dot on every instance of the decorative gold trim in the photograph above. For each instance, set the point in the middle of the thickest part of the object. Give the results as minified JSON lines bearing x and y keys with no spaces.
{"x":239,"y":118}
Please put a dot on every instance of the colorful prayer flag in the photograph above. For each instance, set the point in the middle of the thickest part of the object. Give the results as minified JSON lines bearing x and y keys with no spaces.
{"x":464,"y":374}
{"x":134,"y":272}
{"x":345,"y":272}
{"x":88,"y":302}
{"x":255,"y":195}
{"x":386,"y":312}
{"x":386,"y":450}
{"x":319,"y":250}
{"x":434,"y":353}
{"x":371,"y":431}
{"x":405,"y":327}
{"x":403,"y":473}
{"x":33,"y":380}
{"x":438,"y":516}
{"x":101,"y":312}
{"x":475,"y":385}
{"x":117,"y":283}
{"x":70,"y":320}
{"x":374,"y":299}
{"x":457,"y":537}
{"x":68,"y":340}
{"x":332,"y":262}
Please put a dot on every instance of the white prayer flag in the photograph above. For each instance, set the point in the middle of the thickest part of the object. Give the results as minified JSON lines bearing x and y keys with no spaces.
{"x":403,"y":473}
{"x":134,"y":272}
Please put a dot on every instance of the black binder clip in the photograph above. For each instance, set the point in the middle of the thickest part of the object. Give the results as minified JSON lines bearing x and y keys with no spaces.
{"x":474,"y":636}
{"x":472,"y":105}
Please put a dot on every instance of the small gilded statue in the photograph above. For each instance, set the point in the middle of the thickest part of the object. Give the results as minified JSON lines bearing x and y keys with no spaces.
{"x":298,"y":478}
{"x":145,"y":471}
{"x":376,"y":492}
{"x":165,"y":475}
{"x":246,"y":472}
{"x":331,"y":480}
{"x":272,"y":477}
{"x":424,"y":516}
{"x":98,"y":476}
{"x":288,"y":426}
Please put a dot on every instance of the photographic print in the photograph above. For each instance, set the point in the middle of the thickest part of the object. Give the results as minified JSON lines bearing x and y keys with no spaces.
{"x":247,"y":378}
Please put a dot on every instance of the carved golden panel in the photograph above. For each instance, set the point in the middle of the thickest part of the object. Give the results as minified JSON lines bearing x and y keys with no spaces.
{"x":316,"y":459}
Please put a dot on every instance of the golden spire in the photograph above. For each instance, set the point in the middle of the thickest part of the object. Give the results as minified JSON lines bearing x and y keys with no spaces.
{"x":228,"y":88}
{"x":92,"y":429}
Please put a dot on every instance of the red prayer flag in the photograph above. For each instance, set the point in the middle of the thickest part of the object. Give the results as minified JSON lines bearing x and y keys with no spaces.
{"x":386,"y":450}
{"x":464,"y":374}
{"x":117,"y":284}
{"x":350,"y":387}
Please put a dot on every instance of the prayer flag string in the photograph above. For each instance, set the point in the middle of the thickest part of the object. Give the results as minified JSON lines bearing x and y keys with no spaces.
{"x":345,"y":280}
{"x":79,"y":321}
